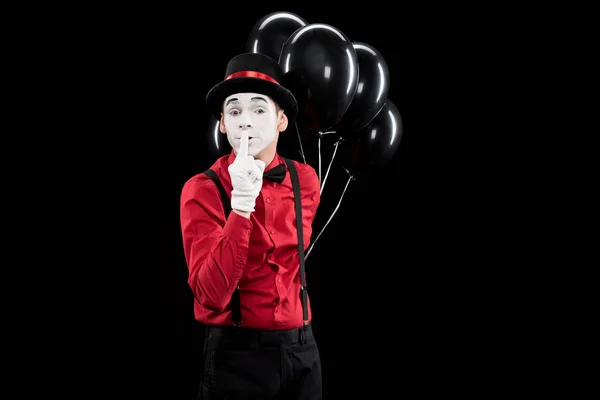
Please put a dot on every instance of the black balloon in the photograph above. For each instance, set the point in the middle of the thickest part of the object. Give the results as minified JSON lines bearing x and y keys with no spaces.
{"x":320,"y":67}
{"x":372,"y":90}
{"x":271,"y":31}
{"x":375,"y":145}
{"x":217,"y":142}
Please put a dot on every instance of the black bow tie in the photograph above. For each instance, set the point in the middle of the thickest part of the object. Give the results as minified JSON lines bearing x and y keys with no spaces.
{"x":276,"y":174}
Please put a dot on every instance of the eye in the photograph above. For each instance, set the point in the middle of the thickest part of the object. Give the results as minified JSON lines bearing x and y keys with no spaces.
{"x":234,"y":112}
{"x":260,"y":111}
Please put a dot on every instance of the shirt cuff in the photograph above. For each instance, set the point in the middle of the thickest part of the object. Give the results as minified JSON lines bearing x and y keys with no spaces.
{"x":238,"y":227}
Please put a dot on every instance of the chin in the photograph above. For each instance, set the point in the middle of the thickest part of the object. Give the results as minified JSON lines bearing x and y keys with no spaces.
{"x":253,"y":153}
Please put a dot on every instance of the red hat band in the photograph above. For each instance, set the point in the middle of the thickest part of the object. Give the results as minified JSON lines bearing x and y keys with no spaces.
{"x":252,"y":74}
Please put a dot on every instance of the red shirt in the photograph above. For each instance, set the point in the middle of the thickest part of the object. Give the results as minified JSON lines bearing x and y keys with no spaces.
{"x":259,"y":254}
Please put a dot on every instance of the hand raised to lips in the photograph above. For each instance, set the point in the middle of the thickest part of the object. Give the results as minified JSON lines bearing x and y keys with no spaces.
{"x":243,"y":151}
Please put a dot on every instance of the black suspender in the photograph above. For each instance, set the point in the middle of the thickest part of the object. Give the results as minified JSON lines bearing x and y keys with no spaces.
{"x":226,"y":204}
{"x":299,"y":227}
{"x":236,"y":312}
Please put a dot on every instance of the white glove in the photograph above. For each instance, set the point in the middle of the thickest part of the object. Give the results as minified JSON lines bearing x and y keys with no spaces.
{"x":246,"y":178}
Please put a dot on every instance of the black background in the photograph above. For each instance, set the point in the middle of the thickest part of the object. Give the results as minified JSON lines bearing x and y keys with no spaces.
{"x":403,"y":279}
{"x":392,"y":309}
{"x":387,"y":278}
{"x":436,"y":277}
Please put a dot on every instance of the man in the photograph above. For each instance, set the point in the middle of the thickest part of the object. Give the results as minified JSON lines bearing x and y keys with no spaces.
{"x":244,"y":248}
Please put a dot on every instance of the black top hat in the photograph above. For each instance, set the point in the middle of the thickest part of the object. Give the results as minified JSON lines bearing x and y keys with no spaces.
{"x":252,"y":73}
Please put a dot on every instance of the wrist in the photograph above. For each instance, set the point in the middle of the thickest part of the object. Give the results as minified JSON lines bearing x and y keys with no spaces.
{"x":245,"y":214}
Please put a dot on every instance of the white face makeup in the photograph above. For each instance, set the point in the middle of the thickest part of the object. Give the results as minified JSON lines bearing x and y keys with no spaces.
{"x":255,"y":113}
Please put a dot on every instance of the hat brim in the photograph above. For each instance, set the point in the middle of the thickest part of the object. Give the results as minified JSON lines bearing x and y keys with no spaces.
{"x":282,"y":96}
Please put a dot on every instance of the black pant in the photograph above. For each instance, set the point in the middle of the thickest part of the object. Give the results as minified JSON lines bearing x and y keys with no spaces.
{"x":242,"y":363}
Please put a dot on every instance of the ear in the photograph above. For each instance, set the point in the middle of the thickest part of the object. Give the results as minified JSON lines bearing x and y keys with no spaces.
{"x":283,"y":122}
{"x":222,"y":125}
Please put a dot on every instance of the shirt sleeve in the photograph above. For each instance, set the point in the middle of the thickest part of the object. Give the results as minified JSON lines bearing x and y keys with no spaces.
{"x":215,"y":249}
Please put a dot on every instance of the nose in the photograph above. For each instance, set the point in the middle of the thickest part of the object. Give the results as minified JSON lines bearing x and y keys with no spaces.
{"x":245,"y":121}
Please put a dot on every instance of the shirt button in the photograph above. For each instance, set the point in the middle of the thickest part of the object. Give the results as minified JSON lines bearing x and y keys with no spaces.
{"x":278,"y":280}
{"x":272,"y":232}
{"x":248,"y":231}
{"x":268,"y":199}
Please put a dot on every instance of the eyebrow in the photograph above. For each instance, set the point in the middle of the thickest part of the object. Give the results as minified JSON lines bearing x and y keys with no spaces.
{"x":235,"y":100}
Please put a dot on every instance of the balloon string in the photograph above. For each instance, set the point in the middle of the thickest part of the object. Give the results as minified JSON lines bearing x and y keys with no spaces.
{"x":299,"y":141}
{"x":319,"y":136}
{"x":351,"y":177}
{"x":330,"y":162}
{"x":319,"y":147}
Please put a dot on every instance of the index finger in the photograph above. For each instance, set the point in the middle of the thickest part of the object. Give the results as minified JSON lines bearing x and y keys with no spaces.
{"x":243,"y":150}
